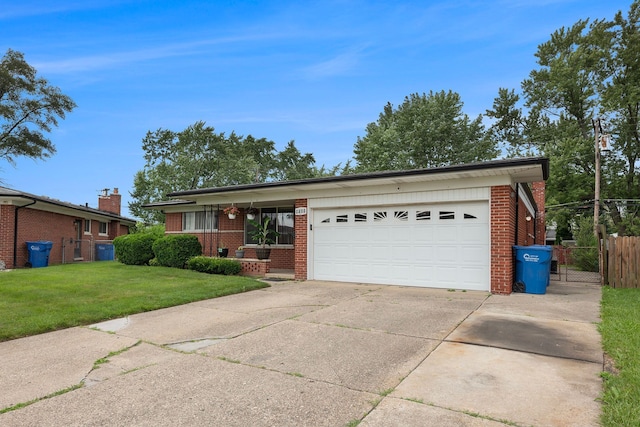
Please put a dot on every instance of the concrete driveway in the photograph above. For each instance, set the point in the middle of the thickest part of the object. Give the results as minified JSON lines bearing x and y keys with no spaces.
{"x":320,"y":354}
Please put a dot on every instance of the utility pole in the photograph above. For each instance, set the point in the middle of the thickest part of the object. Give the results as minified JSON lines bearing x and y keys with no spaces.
{"x":597,"y":127}
{"x":599,"y":137}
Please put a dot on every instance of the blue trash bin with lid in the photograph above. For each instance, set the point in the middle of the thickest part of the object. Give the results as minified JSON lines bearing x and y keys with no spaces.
{"x":39,"y":253}
{"x":104,"y":252}
{"x":533,"y":267}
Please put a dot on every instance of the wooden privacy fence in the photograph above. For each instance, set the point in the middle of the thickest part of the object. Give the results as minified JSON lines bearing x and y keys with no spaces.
{"x":623,"y":263}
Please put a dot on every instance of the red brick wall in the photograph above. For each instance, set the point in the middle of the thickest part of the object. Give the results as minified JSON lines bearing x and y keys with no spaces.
{"x":503,"y":234}
{"x":300,"y":242}
{"x":503,"y":214}
{"x":7,"y":215}
{"x":539,"y":192}
{"x":173,"y":222}
{"x":255,"y":267}
{"x":111,"y":203}
{"x":34,"y":225}
{"x":231,"y":233}
{"x":525,"y":228}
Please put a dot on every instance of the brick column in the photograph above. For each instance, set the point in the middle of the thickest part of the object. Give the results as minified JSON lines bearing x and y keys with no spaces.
{"x":538,"y":189}
{"x":503,"y":219}
{"x":300,"y":242}
{"x":7,"y":220}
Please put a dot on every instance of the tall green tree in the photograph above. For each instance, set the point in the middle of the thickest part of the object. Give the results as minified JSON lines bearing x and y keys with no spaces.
{"x":620,"y":92}
{"x":29,"y":108}
{"x":199,"y":157}
{"x":427,"y":130}
{"x":585,"y":71}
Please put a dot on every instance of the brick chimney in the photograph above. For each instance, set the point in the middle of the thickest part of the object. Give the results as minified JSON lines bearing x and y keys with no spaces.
{"x":110,"y":203}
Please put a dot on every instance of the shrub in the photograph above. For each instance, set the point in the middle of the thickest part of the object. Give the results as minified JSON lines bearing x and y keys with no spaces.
{"x":209,"y":265}
{"x":586,"y":254}
{"x":156,"y":229}
{"x":174,"y":250}
{"x":134,"y":249}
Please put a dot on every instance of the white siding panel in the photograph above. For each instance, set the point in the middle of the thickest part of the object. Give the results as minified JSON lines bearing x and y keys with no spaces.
{"x":438,"y":196}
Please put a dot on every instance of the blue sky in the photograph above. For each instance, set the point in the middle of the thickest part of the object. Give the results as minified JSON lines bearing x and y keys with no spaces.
{"x":314,"y":72}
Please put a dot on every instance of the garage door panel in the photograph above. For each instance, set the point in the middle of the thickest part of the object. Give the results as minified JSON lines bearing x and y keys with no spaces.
{"x":423,"y":271}
{"x":474,"y":233}
{"x":443,"y":246}
{"x":446,"y":275}
{"x":446,"y":234}
{"x":446,"y":254}
{"x":471,"y":274}
{"x":475,"y":255}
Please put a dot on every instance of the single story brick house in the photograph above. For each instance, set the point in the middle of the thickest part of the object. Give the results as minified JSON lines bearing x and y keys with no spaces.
{"x":73,"y":229}
{"x":445,"y":227}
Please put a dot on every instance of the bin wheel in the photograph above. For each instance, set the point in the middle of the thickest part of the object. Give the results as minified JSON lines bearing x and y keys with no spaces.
{"x":28,"y":264}
{"x":518,"y":286}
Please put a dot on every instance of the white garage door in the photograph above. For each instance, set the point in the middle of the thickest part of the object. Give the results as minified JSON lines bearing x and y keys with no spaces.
{"x":440,"y":246}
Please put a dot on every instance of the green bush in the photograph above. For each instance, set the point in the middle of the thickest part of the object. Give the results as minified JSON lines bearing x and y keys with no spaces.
{"x":175,"y":249}
{"x":134,"y":249}
{"x":209,"y":265}
{"x":585,"y":255}
{"x":156,"y":229}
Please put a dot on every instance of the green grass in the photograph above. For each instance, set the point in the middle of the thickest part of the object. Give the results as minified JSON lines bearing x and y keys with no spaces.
{"x":620,"y":329}
{"x":37,"y":300}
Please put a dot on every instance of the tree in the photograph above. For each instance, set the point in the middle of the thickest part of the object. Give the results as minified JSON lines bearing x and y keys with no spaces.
{"x":586,"y":71}
{"x":198,"y":157}
{"x":291,"y":164}
{"x":424,"y":131}
{"x":621,"y":100}
{"x":29,"y":107}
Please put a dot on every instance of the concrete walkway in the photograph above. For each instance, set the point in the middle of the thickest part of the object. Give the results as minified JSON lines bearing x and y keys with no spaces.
{"x":320,"y":354}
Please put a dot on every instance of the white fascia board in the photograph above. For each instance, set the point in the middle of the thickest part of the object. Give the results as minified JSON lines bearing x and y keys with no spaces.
{"x":371,"y":187}
{"x":527,"y":202}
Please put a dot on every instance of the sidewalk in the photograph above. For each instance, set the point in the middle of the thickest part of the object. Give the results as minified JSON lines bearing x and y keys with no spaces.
{"x":320,"y":354}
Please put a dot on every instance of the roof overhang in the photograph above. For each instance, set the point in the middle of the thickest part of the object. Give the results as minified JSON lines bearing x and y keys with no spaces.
{"x":511,"y":171}
{"x":20,"y":199}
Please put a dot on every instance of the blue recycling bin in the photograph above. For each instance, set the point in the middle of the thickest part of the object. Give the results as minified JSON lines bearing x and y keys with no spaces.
{"x":104,"y":252}
{"x":39,"y":253}
{"x":533,"y":267}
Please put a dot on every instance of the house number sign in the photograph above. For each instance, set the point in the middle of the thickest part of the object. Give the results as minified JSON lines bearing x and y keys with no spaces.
{"x":301,"y":211}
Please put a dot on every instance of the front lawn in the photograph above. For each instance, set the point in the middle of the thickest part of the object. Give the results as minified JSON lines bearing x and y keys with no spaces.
{"x":37,"y":300}
{"x":620,"y":329}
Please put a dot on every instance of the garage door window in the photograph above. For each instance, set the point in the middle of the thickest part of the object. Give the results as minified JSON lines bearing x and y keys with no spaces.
{"x":403,"y":215}
{"x":423,"y":215}
{"x":360,"y":217}
{"x":379,"y":216}
{"x":447,"y":215}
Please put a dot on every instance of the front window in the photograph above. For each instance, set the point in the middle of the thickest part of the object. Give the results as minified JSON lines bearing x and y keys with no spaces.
{"x":281,"y":220}
{"x":87,"y":226}
{"x":104,"y":229}
{"x":199,"y":221}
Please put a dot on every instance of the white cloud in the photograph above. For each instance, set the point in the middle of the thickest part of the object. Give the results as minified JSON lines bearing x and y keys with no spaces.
{"x":126,"y":58}
{"x":37,"y":8}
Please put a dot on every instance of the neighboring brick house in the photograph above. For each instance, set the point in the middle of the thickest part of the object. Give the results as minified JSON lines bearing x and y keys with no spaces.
{"x":447,"y":227}
{"x":73,"y":229}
